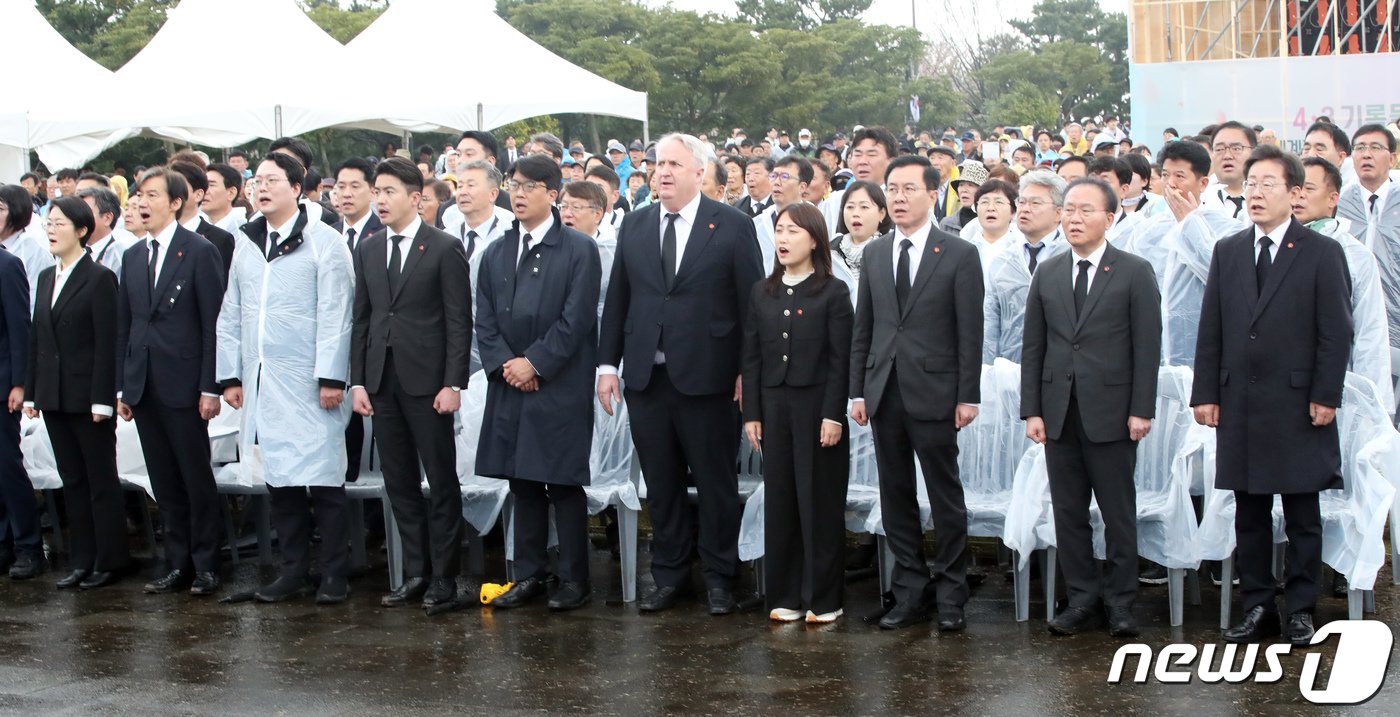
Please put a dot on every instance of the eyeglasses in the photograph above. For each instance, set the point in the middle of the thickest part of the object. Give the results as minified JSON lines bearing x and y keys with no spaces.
{"x":579,"y":208}
{"x":260,"y":182}
{"x":895,"y":190}
{"x":1235,"y":148}
{"x":992,"y":203}
{"x":527,"y":187}
{"x":1266,"y":186}
{"x":1036,"y":203}
{"x":1371,"y":148}
{"x":1081,"y":210}
{"x":781,"y":177}
{"x":56,"y":224}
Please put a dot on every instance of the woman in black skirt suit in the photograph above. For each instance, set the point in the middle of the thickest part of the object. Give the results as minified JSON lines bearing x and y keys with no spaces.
{"x":796,"y":362}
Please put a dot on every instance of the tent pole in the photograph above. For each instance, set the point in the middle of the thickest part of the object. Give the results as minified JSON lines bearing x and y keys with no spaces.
{"x":277,"y":121}
{"x":480,"y":116}
{"x":408,"y":144}
{"x":646,"y":132}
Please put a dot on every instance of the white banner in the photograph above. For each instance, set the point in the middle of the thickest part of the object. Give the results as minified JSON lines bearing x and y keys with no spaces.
{"x":1283,"y":94}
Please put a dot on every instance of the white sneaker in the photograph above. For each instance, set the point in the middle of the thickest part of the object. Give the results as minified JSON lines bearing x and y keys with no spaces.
{"x":824,"y":618}
{"x":783,"y":614}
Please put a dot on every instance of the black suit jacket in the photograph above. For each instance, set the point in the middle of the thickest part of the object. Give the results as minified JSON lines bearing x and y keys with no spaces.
{"x":702,"y":313}
{"x":73,"y":343}
{"x":427,"y":321}
{"x":221,"y":240}
{"x":745,"y":205}
{"x":1106,"y":356}
{"x":372,"y":225}
{"x":798,"y":336}
{"x":936,"y":341}
{"x":172,"y":331}
{"x":1263,"y":356}
{"x":14,"y":320}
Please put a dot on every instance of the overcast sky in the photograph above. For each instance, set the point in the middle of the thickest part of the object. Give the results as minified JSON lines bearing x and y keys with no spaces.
{"x":983,"y":17}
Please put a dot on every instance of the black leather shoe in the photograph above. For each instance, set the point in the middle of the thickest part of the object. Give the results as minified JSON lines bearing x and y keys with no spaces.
{"x":1121,"y":622}
{"x":7,"y":558}
{"x":71,"y":580}
{"x":722,"y":601}
{"x":333,"y":591}
{"x":1074,"y":620}
{"x":27,"y":567}
{"x":1259,"y":623}
{"x":100,"y":579}
{"x":169,"y":583}
{"x":283,"y":588}
{"x":205,"y":584}
{"x":571,"y":596}
{"x":441,"y":591}
{"x":1300,"y":628}
{"x":951,"y":619}
{"x":410,"y":592}
{"x":904,"y":615}
{"x":662,"y":598}
{"x":520,"y":594}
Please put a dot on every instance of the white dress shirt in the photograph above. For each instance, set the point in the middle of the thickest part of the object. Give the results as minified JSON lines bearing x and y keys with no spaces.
{"x":536,"y":235}
{"x":1276,"y":234}
{"x":107,"y":252}
{"x":282,"y":233}
{"x":193,"y":223}
{"x":359,"y":228}
{"x":916,"y":253}
{"x":1380,"y":194}
{"x":408,"y":233}
{"x":1095,"y":259}
{"x":60,"y":279}
{"x":164,"y":238}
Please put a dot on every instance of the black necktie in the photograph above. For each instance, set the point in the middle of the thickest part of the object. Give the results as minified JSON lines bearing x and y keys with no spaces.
{"x":1264,"y":262}
{"x":524,"y":250}
{"x":155,"y":257}
{"x":1081,"y":286}
{"x":273,"y":238}
{"x":1239,"y":205}
{"x":395,"y":262}
{"x":350,"y":238}
{"x":1373,"y":199}
{"x":470,"y":239}
{"x":902,"y":281}
{"x":1034,"y":251}
{"x":668,"y":250}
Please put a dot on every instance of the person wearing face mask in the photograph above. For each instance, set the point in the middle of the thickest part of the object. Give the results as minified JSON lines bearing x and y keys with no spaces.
{"x":796,"y":361}
{"x":805,"y":147}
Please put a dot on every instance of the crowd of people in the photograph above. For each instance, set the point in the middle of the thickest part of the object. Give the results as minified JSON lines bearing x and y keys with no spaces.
{"x":784,"y":286}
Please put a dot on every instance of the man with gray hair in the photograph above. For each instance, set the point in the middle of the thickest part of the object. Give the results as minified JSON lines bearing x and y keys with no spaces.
{"x":546,"y":143}
{"x":106,"y":209}
{"x":477,"y":222}
{"x":675,"y":308}
{"x":1038,"y":214}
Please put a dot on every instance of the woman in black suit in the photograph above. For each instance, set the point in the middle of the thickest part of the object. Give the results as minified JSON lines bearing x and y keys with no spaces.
{"x":72,"y":380}
{"x":796,"y":360}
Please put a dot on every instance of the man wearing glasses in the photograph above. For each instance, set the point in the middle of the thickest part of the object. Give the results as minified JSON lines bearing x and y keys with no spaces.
{"x":1372,"y":205}
{"x":1092,"y":345}
{"x":1230,"y":146}
{"x":789,"y":180}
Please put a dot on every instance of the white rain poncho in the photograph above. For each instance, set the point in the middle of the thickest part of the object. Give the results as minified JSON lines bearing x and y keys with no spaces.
{"x":1370,"y":350}
{"x":1004,"y":308}
{"x":989,"y":251}
{"x":1189,"y":245}
{"x":284,"y":325}
{"x":1380,"y":232}
{"x":990,"y":448}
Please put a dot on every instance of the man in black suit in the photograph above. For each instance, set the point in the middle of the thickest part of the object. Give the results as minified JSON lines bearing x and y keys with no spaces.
{"x":1271,"y":361}
{"x":354,"y":190}
{"x":919,"y":387}
{"x":760,"y":196}
{"x":21,"y":544}
{"x":171,"y":289}
{"x":474,"y":146}
{"x":674,"y":310}
{"x":1093,"y":342}
{"x":409,"y":358}
{"x":197,"y":178}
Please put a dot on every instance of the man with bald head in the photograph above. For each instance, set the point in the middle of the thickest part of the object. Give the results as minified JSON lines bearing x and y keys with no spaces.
{"x":674,"y":310}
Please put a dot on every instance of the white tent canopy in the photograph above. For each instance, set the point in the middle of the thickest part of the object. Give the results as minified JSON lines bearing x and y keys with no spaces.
{"x":26,"y":35}
{"x":267,"y":94}
{"x":482,"y":99}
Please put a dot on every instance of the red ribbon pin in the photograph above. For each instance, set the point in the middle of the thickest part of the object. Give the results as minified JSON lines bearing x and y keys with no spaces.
{"x":938,"y":250}
{"x":179,"y":255}
{"x":1290,"y":245}
{"x":799,"y":312}
{"x":712,"y":226}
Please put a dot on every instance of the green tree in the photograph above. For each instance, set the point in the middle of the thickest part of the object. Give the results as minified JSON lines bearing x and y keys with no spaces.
{"x":1084,"y":22}
{"x":111,"y":32}
{"x":1066,"y":71}
{"x":798,"y":14}
{"x":343,"y":23}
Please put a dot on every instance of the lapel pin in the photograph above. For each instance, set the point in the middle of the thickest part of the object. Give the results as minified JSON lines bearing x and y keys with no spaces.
{"x":537,"y":270}
{"x":712,"y":226}
{"x":1105,"y":269}
{"x":1290,"y":245}
{"x":179,"y":255}
{"x":799,"y":312}
{"x":421,"y":247}
{"x":938,"y":250}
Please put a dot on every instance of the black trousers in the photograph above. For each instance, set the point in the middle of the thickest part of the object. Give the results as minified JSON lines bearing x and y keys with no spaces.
{"x":413,"y":438}
{"x":293,"y":509}
{"x":87,"y":462}
{"x":804,"y":503}
{"x":1077,"y":468}
{"x":672,"y":433}
{"x":175,"y":442}
{"x":900,"y":437}
{"x":532,"y":502}
{"x":19,"y":512}
{"x":1254,"y":549}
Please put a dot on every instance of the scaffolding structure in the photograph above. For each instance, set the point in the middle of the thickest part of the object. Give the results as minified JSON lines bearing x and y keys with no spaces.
{"x":1192,"y":30}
